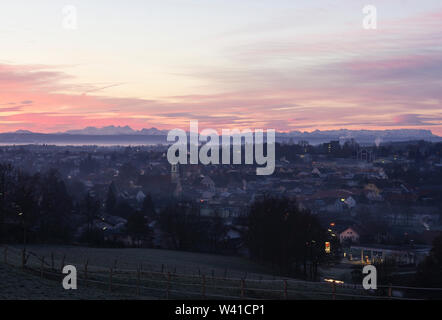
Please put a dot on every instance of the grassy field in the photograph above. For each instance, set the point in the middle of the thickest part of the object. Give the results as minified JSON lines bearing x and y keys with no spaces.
{"x":151,"y":273}
{"x":19,"y":285}
{"x":154,"y":260}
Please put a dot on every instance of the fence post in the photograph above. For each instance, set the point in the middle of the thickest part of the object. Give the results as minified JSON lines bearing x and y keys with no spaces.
{"x":168,"y":285}
{"x":110,"y":279}
{"x":23,"y":258}
{"x":242,"y":288}
{"x":42,"y":266}
{"x":85,"y":272}
{"x":285,"y":289}
{"x":62,"y":262}
{"x":138,"y":279}
{"x":334,"y":290}
{"x":203,"y":286}
{"x":6,"y":255}
{"x":52,"y":261}
{"x":389,"y":290}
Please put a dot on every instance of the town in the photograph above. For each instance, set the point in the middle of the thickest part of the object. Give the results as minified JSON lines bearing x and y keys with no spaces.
{"x":377,"y":204}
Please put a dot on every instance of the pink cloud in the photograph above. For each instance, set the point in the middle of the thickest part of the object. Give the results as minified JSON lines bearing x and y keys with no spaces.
{"x":381,"y":80}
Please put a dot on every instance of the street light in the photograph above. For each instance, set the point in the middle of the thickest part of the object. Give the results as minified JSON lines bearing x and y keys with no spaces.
{"x":20,"y":214}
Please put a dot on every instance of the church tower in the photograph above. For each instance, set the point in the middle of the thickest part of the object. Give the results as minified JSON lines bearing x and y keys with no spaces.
{"x":175,"y":173}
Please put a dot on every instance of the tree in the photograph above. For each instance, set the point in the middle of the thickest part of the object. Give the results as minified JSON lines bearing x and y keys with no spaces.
{"x":90,"y":210}
{"x":7,"y":182}
{"x":25,"y":206}
{"x":55,"y":206}
{"x":123,"y":209}
{"x":148,"y":208}
{"x":215,"y":231}
{"x":137,"y":228}
{"x":282,"y":234}
{"x":180,"y":221}
{"x":111,"y":200}
{"x":429,"y":272}
{"x":37,"y":206}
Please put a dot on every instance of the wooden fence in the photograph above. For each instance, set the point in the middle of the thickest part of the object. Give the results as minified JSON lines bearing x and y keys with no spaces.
{"x":168,"y":284}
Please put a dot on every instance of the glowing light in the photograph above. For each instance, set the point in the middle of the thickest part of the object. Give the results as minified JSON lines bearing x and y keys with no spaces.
{"x":334,"y":281}
{"x":327,"y":247}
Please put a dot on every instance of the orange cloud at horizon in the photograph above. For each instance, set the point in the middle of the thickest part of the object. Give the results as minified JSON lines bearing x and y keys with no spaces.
{"x":282,"y":65}
{"x":32,"y":98}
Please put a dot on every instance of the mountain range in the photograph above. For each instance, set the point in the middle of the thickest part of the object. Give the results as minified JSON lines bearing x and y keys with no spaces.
{"x":113,"y":130}
{"x":127,"y":135}
{"x":336,"y":134}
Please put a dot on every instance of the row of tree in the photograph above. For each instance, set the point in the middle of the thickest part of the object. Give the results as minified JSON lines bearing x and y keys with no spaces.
{"x":34,"y":207}
{"x":38,"y":208}
{"x":282,"y":234}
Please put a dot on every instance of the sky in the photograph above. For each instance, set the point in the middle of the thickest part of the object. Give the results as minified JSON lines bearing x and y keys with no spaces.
{"x":281,"y":64}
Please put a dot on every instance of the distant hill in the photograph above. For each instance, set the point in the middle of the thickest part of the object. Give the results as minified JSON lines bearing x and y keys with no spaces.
{"x":113,"y":130}
{"x":112,"y":135}
{"x":376,"y":136}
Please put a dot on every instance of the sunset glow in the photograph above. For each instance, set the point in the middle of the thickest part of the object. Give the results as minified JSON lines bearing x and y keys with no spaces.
{"x":255,"y":64}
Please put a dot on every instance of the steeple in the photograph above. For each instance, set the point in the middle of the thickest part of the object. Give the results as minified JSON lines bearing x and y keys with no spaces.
{"x":175,"y":173}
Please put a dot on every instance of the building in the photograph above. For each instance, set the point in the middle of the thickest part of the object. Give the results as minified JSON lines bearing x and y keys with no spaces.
{"x":175,"y":173}
{"x":333,"y":146}
{"x":350,"y":234}
{"x":401,"y":255}
{"x":365,"y":155}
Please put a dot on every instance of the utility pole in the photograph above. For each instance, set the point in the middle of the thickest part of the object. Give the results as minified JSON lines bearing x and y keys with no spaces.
{"x":21,"y":214}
